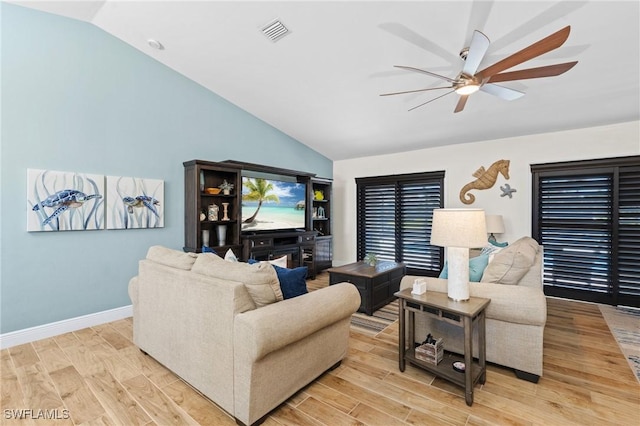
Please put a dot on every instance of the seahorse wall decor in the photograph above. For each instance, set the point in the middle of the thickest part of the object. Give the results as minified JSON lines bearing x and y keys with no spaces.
{"x":485,"y":179}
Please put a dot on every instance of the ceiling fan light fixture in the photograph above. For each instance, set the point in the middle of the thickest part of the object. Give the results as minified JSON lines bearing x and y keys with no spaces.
{"x":467,"y":89}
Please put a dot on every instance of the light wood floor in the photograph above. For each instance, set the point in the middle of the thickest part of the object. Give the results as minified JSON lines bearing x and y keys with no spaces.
{"x":99,"y":376}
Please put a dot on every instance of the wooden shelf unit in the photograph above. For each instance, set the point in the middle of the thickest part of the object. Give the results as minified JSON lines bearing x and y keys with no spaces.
{"x":321,"y":220}
{"x":200,"y":174}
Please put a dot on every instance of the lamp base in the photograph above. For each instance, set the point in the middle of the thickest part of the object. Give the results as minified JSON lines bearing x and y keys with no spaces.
{"x":458,"y":281}
{"x":457,"y":300}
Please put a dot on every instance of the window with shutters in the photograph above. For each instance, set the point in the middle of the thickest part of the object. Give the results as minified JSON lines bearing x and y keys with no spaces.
{"x":394,"y":219}
{"x":586,"y":214}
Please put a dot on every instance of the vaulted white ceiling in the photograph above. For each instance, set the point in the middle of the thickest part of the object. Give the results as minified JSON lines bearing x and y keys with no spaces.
{"x":321,"y":83}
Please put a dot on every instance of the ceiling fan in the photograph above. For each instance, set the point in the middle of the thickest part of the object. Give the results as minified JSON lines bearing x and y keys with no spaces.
{"x":470,"y":80}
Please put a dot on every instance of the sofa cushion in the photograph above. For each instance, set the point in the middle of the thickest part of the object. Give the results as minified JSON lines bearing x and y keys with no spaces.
{"x":510,"y":264}
{"x":476,"y":268}
{"x":260,"y":279}
{"x":173,"y":258}
{"x":293,"y":282}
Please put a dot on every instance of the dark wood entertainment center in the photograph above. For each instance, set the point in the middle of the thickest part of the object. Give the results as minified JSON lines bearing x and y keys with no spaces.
{"x":311,"y":246}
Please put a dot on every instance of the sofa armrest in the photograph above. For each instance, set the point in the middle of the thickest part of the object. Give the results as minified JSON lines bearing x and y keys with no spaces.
{"x":133,"y":290}
{"x":509,"y":303}
{"x":269,"y":328}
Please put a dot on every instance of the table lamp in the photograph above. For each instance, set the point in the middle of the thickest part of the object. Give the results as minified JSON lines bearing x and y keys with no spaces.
{"x":495,"y":225}
{"x":458,"y":230}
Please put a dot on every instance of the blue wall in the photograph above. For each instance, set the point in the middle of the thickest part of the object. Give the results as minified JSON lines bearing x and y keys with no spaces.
{"x":74,"y":98}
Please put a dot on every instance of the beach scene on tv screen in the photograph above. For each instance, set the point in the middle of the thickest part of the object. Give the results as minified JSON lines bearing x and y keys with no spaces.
{"x":272,"y":204}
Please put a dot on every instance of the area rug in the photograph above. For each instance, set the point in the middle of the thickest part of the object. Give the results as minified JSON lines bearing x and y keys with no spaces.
{"x":624,"y":323}
{"x":377,"y":322}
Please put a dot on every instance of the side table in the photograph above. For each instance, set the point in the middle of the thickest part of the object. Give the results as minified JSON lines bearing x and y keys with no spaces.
{"x":376,"y":284}
{"x":465,"y":314}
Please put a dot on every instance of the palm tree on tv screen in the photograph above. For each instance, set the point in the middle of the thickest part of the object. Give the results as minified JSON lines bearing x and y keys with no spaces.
{"x":258,"y":191}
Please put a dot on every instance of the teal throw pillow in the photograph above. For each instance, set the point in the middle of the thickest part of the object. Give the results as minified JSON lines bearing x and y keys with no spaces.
{"x":477,"y":266}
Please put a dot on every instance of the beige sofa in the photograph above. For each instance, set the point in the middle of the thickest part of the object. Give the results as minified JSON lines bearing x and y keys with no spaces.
{"x":516,"y":316}
{"x":211,"y":323}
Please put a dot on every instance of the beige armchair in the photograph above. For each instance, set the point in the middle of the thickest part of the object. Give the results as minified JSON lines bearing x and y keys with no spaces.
{"x":516,"y":316}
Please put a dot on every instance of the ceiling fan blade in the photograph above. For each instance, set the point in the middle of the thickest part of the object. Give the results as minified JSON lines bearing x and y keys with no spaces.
{"x":418,"y":40}
{"x":414,"y":91}
{"x":461,"y":103}
{"x":502,"y":92}
{"x":538,"y":48}
{"x":477,"y":49}
{"x":478,"y":17}
{"x":450,"y":80}
{"x":429,"y":101}
{"x":548,"y":71}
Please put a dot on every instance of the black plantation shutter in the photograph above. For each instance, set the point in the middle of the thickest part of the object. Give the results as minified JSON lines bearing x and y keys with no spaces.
{"x":394,"y":219}
{"x":586,"y":214}
{"x":379,"y":220}
{"x":629,"y":237}
{"x":417,"y":201}
{"x":575,"y":231}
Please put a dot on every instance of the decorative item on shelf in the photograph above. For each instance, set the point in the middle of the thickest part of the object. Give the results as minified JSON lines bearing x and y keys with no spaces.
{"x":205,"y":237}
{"x":222,"y":234}
{"x":318,"y":195}
{"x":321,"y":212}
{"x":495,"y":225}
{"x":371,"y":259}
{"x":431,"y":350}
{"x":485,"y":179}
{"x":458,"y":230}
{"x":225,"y":215}
{"x":226,"y":187}
{"x":212,"y":212}
{"x":212,"y":191}
{"x":203,"y":216}
{"x":315,"y":212}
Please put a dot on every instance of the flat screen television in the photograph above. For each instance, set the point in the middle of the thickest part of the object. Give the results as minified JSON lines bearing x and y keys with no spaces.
{"x":272,"y":204}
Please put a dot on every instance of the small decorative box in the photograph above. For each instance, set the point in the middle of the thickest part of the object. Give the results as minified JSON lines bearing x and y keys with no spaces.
{"x":430,"y":352}
{"x":419,"y":286}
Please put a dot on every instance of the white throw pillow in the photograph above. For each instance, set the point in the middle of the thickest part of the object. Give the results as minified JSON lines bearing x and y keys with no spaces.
{"x":281,"y":261}
{"x":493,"y":249}
{"x":230,"y":256}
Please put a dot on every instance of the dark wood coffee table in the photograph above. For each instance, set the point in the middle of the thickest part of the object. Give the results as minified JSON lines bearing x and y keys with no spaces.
{"x":376,"y":284}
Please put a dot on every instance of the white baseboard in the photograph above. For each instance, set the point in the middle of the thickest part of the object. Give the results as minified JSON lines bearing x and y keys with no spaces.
{"x":44,"y":331}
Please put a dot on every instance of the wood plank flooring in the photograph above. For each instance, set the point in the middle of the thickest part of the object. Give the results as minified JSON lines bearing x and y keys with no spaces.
{"x":97,"y":376}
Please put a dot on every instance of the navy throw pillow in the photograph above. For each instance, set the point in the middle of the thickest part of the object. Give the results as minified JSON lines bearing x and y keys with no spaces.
{"x":292,"y":281}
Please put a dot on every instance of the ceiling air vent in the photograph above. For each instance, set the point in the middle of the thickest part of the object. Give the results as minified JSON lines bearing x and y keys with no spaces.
{"x":275,"y":30}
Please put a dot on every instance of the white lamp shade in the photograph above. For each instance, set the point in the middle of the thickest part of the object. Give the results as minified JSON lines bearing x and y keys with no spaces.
{"x":458,"y":228}
{"x":495,"y":224}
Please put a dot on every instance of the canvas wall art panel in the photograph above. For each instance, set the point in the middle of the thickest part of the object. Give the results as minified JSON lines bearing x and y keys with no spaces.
{"x":64,"y":201}
{"x":134,"y":203}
